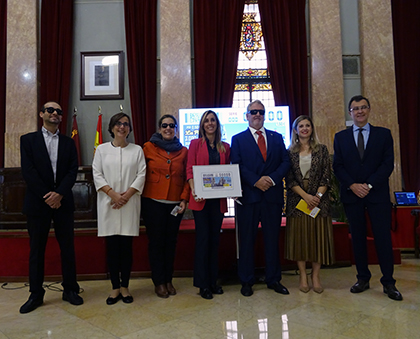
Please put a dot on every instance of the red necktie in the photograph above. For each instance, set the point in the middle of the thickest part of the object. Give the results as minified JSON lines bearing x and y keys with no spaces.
{"x":261,"y":145}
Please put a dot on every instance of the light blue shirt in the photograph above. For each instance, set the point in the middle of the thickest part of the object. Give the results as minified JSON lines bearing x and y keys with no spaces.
{"x":365,"y":132}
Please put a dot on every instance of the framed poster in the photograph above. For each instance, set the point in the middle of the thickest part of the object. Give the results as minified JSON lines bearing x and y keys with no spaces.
{"x":102,"y":75}
{"x":217,"y":181}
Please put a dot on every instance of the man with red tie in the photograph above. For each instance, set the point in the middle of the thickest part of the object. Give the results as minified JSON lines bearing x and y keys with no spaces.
{"x":263,"y":163}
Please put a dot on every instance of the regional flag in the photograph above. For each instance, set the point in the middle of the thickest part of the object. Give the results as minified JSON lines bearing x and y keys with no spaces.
{"x":75,"y":137}
{"x":98,"y":136}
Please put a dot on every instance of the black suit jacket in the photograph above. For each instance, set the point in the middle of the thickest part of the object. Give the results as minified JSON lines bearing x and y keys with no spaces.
{"x":375,"y":167}
{"x":38,"y":173}
{"x":245,"y":152}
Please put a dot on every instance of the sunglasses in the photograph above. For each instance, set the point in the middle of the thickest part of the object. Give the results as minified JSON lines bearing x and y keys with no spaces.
{"x":255,"y":111}
{"x":52,"y":109}
{"x":125,"y":124}
{"x":171,"y":125}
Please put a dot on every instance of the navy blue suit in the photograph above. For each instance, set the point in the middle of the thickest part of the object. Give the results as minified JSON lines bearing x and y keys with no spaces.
{"x":39,"y":177}
{"x":374,"y":169}
{"x":258,"y":206}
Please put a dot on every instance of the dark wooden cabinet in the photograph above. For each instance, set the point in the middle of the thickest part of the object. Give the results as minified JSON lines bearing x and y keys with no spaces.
{"x":12,"y":193}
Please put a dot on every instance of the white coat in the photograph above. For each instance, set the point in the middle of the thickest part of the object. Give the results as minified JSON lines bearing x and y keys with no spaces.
{"x":120,"y":168}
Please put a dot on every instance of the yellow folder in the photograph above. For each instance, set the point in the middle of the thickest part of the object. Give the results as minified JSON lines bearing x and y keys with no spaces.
{"x":303,"y":206}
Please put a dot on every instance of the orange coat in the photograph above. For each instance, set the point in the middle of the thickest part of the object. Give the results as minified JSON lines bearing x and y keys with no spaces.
{"x":166,"y":177}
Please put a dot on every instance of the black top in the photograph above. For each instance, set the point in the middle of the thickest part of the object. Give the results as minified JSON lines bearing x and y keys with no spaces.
{"x":214,"y":156}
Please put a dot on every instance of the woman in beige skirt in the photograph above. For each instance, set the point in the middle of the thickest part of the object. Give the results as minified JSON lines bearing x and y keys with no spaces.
{"x":308,"y":239}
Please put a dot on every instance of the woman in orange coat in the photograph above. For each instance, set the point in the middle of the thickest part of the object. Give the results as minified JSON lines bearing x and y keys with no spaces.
{"x":164,"y":200}
{"x":208,"y":149}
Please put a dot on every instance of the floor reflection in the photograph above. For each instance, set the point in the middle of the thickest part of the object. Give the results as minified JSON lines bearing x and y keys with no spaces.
{"x":336,"y":313}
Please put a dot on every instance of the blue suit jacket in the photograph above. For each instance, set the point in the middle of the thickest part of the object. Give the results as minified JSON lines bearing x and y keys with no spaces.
{"x":38,"y":173}
{"x":375,"y":167}
{"x":245,"y":152}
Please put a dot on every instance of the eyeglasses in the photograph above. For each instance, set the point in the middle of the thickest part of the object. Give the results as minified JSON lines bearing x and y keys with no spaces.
{"x":125,"y":124}
{"x":171,"y":125}
{"x":52,"y":109}
{"x":255,"y":111}
{"x":357,"y":108}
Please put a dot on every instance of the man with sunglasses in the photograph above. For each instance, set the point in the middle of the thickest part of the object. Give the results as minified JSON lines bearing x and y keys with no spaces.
{"x":263,"y":163}
{"x":49,"y":168}
{"x":363,"y":162}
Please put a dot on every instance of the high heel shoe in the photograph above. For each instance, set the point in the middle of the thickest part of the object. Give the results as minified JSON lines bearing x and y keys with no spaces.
{"x":304,"y":289}
{"x":303,"y":284}
{"x":319,"y":289}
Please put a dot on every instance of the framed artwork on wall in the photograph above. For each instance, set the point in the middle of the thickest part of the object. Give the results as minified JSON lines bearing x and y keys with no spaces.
{"x":102,"y":75}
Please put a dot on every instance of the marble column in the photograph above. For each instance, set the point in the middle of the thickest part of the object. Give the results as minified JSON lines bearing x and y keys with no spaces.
{"x":21,"y":79}
{"x":175,"y":56}
{"x":327,"y":70}
{"x":378,"y":72}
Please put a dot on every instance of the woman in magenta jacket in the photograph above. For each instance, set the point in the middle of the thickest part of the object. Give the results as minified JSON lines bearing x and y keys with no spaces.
{"x":208,"y":149}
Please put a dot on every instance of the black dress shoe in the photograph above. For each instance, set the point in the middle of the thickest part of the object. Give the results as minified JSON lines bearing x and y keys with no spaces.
{"x":279,"y":288}
{"x":112,"y":301}
{"x":360,"y":286}
{"x":72,"y":297}
{"x":206,"y":293}
{"x":392,"y":292}
{"x":127,"y":299}
{"x":246,"y":290}
{"x":31,"y":305}
{"x":216,"y":289}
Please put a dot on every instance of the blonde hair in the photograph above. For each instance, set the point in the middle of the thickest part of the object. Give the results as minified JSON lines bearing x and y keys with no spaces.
{"x":218,"y":134}
{"x":313,"y":140}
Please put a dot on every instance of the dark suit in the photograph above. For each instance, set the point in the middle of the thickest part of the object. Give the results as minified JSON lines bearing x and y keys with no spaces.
{"x":374,"y":169}
{"x":257,"y":205}
{"x":38,"y":174}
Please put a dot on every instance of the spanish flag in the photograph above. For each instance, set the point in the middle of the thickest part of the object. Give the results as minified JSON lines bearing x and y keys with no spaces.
{"x":75,"y":137}
{"x":98,"y":136}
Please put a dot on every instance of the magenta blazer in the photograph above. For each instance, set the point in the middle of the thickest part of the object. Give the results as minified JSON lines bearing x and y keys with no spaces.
{"x":199,"y":155}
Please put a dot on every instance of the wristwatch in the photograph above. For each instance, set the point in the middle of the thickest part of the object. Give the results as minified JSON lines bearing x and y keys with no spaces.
{"x":319,"y":195}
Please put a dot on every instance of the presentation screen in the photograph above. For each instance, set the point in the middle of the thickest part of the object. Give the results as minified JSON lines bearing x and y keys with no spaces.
{"x":233,"y":121}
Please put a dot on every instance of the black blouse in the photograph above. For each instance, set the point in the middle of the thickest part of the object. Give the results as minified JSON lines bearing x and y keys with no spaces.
{"x":214,"y":156}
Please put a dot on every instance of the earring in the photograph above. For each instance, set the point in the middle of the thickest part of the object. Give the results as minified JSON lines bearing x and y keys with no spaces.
{"x":297,"y":139}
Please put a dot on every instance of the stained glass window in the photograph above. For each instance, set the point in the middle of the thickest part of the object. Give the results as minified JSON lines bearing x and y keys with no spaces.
{"x":252,"y":76}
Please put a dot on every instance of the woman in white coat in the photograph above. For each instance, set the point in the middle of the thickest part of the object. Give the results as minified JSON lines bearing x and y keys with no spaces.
{"x":119,"y":170}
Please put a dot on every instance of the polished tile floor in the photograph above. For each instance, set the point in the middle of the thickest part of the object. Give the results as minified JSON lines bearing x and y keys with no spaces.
{"x":336,"y":313}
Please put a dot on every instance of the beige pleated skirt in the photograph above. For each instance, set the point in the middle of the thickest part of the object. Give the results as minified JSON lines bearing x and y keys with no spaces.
{"x":309,"y":239}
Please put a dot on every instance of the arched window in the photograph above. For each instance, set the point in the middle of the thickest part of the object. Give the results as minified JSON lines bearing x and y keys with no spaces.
{"x":252,"y":76}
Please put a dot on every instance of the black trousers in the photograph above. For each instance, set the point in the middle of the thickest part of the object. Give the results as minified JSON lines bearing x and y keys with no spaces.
{"x":162,"y":230}
{"x":38,"y":229}
{"x":119,"y":254}
{"x":208,"y":223}
{"x":380,"y":219}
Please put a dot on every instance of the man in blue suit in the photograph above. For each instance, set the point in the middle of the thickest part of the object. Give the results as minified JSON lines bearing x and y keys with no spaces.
{"x":363,"y":162}
{"x":49,"y":167}
{"x":263,"y":163}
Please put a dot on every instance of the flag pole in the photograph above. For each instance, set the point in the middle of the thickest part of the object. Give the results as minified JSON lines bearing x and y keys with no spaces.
{"x":75,"y":136}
